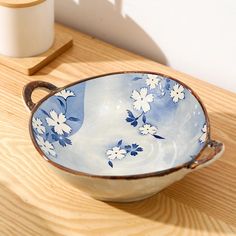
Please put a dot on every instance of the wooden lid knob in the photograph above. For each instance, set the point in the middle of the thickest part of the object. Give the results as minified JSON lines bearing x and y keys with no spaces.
{"x":20,"y":3}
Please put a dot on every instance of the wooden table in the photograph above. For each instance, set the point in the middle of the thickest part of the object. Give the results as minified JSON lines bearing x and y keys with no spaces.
{"x":34,"y":201}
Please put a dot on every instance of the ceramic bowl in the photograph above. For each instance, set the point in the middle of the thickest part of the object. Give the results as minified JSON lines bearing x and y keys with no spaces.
{"x":122,"y":136}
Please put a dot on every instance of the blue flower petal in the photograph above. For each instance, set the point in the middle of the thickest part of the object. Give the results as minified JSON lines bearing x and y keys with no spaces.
{"x":130,"y":114}
{"x":127,"y":148}
{"x":134,"y":123}
{"x":134,"y":145}
{"x":128,"y":119}
{"x":133,"y":153}
{"x":55,"y":137}
{"x":139,"y":149}
{"x":62,"y":142}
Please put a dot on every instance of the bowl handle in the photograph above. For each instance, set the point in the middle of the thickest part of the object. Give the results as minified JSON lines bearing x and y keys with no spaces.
{"x":30,"y":87}
{"x":210,"y":153}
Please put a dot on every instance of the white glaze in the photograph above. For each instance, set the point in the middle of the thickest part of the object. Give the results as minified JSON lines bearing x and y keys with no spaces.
{"x":124,"y":190}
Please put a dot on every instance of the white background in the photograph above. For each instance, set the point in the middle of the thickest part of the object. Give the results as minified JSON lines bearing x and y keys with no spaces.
{"x":197,"y":37}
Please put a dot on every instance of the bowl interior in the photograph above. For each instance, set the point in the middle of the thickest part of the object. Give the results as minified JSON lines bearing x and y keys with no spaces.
{"x":120,"y":124}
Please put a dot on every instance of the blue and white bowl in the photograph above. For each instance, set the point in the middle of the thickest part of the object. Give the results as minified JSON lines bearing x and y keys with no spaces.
{"x":122,"y":136}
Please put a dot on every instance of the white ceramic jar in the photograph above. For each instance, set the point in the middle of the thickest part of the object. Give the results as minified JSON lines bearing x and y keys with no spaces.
{"x":26,"y":27}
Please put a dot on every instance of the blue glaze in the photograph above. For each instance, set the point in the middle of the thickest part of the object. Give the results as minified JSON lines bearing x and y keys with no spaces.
{"x":130,"y":123}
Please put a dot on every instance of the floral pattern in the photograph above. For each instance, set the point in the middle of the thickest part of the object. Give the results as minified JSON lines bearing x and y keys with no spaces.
{"x":153,"y":80}
{"x":177,"y":93}
{"x":58,"y":122}
{"x":142,"y":100}
{"x":116,"y":152}
{"x":120,"y":151}
{"x":148,"y":129}
{"x":38,"y":125}
{"x":54,"y":128}
{"x":62,"y":139}
{"x":46,"y":147}
{"x":65,"y":94}
{"x":203,"y":137}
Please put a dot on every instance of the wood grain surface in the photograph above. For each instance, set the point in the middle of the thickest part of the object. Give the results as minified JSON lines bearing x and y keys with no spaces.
{"x":34,"y":201}
{"x":30,"y":65}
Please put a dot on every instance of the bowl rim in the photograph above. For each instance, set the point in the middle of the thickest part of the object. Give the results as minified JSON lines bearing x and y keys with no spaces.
{"x":134,"y":176}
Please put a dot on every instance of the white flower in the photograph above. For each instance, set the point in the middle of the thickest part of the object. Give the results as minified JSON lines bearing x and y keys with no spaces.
{"x":46,"y":147}
{"x":148,"y":129}
{"x":65,"y":94}
{"x":116,"y":152}
{"x":58,"y":122}
{"x":142,"y":99}
{"x":37,"y":124}
{"x":153,"y":80}
{"x":203,"y":137}
{"x":177,"y":93}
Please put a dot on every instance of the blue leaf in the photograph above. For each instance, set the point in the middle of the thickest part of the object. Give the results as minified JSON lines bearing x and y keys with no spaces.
{"x":73,"y":119}
{"x":47,"y":134}
{"x":133,"y":153}
{"x":130,"y":114}
{"x":110,"y":164}
{"x":61,"y":103}
{"x":137,"y":78}
{"x":139,"y":149}
{"x":134,"y":123}
{"x":128,"y":119}
{"x":127,"y":147}
{"x":45,"y":112}
{"x":119,"y":143}
{"x":62,"y":142}
{"x":144,"y":119}
{"x":134,"y":145}
{"x":167,"y":86}
{"x":157,"y":136}
{"x":68,"y":141}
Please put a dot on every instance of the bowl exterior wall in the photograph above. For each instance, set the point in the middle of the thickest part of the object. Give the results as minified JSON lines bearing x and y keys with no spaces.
{"x":121,"y":190}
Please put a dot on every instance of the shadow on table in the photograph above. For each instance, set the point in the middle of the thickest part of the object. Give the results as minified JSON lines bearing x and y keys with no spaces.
{"x":164,"y":210}
{"x":20,"y":217}
{"x":168,"y":206}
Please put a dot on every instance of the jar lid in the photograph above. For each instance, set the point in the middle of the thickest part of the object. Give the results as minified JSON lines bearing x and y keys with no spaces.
{"x":20,"y":3}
